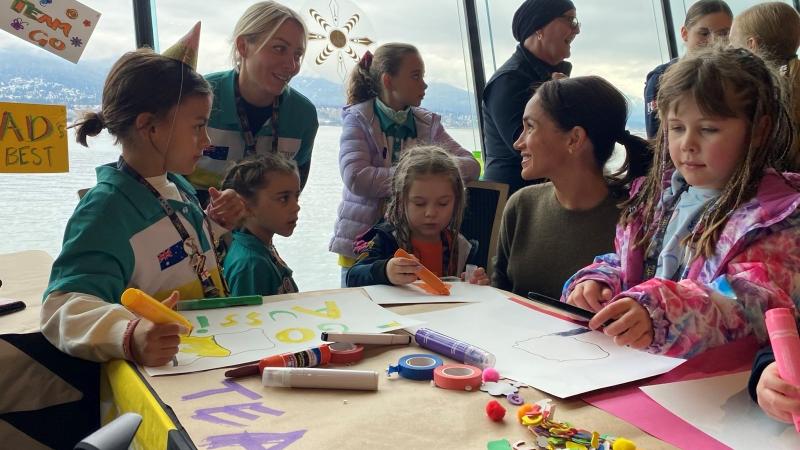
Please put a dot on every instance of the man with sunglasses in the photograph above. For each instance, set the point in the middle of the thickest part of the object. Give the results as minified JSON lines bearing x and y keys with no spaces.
{"x":545,"y":30}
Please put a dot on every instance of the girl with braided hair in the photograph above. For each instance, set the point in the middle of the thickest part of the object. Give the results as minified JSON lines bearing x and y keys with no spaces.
{"x":709,"y":239}
{"x":270,"y":187}
{"x":423,"y":218}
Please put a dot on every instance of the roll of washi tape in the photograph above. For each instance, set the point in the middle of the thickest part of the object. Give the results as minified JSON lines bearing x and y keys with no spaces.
{"x":418,"y":366}
{"x":346,"y":353}
{"x":460,"y":377}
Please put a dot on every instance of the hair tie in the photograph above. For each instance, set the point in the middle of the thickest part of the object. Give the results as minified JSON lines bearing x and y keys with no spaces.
{"x":101,"y":118}
{"x":366,"y":60}
{"x":623,"y":136}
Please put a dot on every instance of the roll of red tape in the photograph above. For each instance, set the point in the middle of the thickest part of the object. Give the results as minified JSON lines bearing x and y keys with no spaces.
{"x":346,"y":353}
{"x":460,"y":377}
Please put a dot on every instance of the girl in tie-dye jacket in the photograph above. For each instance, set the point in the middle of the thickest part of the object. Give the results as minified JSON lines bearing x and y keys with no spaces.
{"x":710,"y":239}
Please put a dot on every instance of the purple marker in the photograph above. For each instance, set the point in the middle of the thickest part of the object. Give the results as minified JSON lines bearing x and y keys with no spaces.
{"x":452,"y":348}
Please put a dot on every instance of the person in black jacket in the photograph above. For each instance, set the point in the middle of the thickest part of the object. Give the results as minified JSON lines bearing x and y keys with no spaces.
{"x":777,"y":397}
{"x":545,"y":30}
{"x":705,"y":20}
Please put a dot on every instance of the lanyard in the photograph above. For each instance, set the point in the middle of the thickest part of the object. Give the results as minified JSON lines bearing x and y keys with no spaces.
{"x":247,"y":133}
{"x":197,"y":258}
{"x":288,"y":285}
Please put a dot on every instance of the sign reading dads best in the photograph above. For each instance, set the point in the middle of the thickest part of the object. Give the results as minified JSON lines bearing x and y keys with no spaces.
{"x":62,"y":27}
{"x":33,"y":138}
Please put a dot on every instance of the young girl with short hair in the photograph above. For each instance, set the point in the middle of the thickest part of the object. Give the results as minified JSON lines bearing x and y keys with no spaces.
{"x":382,"y":120}
{"x":423,"y":218}
{"x":270,"y":187}
{"x":709,"y":240}
{"x":141,"y":226}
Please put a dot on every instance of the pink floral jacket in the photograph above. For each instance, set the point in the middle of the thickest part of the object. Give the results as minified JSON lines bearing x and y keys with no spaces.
{"x":756,"y":266}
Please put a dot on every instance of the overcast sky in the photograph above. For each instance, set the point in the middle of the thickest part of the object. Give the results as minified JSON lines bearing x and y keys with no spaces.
{"x":620,"y":40}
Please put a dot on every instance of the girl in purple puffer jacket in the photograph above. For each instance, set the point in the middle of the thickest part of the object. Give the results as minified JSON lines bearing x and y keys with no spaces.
{"x":381,"y":121}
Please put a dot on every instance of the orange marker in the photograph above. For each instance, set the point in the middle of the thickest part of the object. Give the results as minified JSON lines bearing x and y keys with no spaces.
{"x":151,"y":309}
{"x":426,"y":275}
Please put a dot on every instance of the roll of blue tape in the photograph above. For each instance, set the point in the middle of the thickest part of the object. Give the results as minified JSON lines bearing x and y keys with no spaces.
{"x":419,"y":366}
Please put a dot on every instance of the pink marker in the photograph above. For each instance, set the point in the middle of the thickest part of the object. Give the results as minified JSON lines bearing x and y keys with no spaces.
{"x":786,"y":345}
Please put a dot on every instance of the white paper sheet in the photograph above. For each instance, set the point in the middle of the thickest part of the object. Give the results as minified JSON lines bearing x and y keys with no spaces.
{"x":412,"y":293}
{"x":722,"y":408}
{"x":550,"y":354}
{"x":229,"y":336}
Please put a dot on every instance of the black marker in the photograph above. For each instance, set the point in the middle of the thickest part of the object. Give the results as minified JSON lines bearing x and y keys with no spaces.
{"x":8,"y":306}
{"x":583,"y":314}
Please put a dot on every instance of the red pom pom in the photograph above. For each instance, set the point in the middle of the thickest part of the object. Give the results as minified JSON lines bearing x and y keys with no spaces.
{"x":495,"y":410}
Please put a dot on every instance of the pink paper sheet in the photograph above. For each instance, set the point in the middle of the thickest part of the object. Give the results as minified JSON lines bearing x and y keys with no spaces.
{"x":634,"y":406}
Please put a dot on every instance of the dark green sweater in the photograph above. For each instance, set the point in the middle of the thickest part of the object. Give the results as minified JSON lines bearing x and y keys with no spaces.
{"x":542,"y":244}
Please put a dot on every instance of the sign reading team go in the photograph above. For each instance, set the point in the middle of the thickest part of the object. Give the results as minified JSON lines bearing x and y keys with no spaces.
{"x":33,"y":138}
{"x":62,"y":27}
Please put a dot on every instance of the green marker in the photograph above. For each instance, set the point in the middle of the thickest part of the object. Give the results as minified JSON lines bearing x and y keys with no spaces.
{"x":219,"y":302}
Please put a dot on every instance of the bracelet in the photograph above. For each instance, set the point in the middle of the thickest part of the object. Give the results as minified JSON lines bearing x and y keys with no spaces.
{"x":127,"y":338}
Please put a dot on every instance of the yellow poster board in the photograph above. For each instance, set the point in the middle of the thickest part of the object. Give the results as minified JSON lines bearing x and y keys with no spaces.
{"x":33,"y":138}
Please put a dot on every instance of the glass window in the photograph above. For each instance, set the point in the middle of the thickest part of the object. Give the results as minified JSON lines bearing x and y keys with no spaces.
{"x":679,"y":8}
{"x":436,"y":28}
{"x":620,"y":41}
{"x":35,"y":208}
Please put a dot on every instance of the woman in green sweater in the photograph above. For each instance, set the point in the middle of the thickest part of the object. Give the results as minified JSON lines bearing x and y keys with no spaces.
{"x":570,"y":127}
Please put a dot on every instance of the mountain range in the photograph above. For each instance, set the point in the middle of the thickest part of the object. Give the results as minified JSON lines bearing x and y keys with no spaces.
{"x":50,"y":80}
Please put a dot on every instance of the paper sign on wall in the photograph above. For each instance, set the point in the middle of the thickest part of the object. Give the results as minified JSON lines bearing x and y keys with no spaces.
{"x":33,"y":138}
{"x":62,"y":27}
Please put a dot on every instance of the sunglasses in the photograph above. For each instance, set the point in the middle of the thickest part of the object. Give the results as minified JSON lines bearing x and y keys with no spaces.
{"x":573,"y":21}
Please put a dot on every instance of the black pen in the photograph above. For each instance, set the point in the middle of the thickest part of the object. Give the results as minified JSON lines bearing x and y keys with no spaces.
{"x":565,"y":307}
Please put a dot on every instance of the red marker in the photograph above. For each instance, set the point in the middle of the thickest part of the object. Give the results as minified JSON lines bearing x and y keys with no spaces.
{"x":318,"y":356}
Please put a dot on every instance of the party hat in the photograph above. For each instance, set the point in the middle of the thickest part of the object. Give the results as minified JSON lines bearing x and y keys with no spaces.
{"x":185,"y":50}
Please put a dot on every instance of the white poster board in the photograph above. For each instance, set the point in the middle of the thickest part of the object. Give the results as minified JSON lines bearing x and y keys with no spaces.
{"x":550,"y":354}
{"x":229,"y":336}
{"x":722,"y":408}
{"x":61,"y":27}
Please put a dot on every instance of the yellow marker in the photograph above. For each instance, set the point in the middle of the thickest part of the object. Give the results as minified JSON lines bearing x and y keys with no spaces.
{"x":151,"y":309}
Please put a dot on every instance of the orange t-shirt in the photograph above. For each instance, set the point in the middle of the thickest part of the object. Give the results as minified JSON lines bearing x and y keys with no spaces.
{"x":430,"y":254}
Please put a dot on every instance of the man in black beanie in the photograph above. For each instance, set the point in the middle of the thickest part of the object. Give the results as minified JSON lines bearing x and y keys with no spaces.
{"x":545,"y":30}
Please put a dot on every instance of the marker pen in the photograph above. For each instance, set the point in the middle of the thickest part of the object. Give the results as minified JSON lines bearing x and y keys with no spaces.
{"x":572,"y":311}
{"x":151,"y":309}
{"x":452,"y":348}
{"x":367,"y":338}
{"x":318,"y":356}
{"x":364,"y":380}
{"x":219,"y":302}
{"x":426,"y":275}
{"x":786,"y":345}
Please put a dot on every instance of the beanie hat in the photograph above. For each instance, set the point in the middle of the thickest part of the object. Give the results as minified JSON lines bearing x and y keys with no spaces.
{"x":535,"y":14}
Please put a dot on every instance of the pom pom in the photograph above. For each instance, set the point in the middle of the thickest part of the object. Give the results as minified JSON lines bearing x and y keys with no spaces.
{"x":490,"y":374}
{"x":495,"y":411}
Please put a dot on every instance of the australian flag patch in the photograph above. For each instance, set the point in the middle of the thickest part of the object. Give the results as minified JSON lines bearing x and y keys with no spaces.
{"x":171,"y":256}
{"x":216,"y":152}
